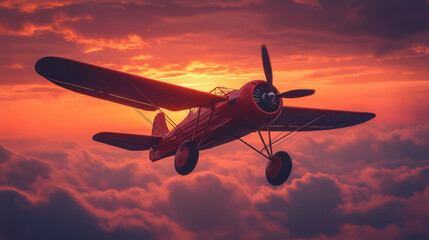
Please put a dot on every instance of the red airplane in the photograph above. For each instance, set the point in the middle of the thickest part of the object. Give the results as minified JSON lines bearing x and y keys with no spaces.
{"x":215,"y":118}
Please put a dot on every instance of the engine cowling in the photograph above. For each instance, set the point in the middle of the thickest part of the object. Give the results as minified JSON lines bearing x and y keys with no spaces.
{"x":256,"y":112}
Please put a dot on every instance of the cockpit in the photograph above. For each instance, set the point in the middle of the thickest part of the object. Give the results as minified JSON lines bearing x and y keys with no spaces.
{"x":220,"y":91}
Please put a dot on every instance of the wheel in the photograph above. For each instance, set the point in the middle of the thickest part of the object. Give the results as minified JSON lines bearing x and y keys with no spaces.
{"x":186,"y":158}
{"x":278,"y":168}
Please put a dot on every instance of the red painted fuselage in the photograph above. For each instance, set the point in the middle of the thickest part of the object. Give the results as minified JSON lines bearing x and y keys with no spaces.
{"x":224,"y":122}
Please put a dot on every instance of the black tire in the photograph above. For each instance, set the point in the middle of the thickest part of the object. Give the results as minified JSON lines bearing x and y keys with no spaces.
{"x":278,"y":169}
{"x":186,"y":158}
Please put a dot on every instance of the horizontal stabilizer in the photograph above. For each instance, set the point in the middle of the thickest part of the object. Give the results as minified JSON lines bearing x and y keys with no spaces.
{"x":127,"y":141}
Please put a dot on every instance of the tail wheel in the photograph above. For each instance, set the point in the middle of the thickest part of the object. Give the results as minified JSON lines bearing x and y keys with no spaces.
{"x":186,"y":158}
{"x":278,"y":168}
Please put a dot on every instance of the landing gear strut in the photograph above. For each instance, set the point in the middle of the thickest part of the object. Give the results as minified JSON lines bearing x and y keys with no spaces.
{"x":279,"y":165}
{"x":187,"y":154}
{"x":186,"y":158}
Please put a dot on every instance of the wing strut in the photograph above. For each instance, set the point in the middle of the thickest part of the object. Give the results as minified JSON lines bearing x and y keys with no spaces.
{"x":196,"y":124}
{"x":256,"y":150}
{"x":270,"y":141}
{"x":207,"y":125}
{"x":144,"y":116}
{"x":169,"y":120}
{"x":293,"y":131}
{"x":269,"y":148}
{"x":270,"y":154}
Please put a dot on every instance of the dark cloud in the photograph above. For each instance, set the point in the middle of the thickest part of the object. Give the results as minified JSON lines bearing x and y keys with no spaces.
{"x":59,"y":218}
{"x":356,"y":28}
{"x":97,"y":174}
{"x":21,"y":172}
{"x":58,"y":158}
{"x":309,"y":209}
{"x":225,"y":199}
{"x":112,"y":200}
{"x":371,"y":148}
{"x":394,"y":19}
{"x":141,"y":19}
{"x":5,"y":154}
{"x":391,"y":20}
{"x":15,"y":20}
{"x":397,"y":148}
{"x":380,"y":216}
{"x":404,"y":186}
{"x":207,"y":205}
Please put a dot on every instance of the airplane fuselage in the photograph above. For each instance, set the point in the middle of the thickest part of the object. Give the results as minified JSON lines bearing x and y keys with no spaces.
{"x":222,"y":123}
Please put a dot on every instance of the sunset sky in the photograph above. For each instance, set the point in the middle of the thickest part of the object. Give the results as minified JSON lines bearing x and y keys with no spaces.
{"x":370,"y":181}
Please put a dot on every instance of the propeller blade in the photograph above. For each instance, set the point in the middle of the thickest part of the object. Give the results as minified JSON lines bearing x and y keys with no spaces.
{"x":296,"y":93}
{"x":267,"y":67}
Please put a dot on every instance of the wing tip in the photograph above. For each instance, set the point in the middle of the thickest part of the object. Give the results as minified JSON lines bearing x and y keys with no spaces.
{"x":99,"y":136}
{"x":39,"y":65}
{"x":371,"y":116}
{"x":363,"y":118}
{"x":42,"y":65}
{"x":360,"y":118}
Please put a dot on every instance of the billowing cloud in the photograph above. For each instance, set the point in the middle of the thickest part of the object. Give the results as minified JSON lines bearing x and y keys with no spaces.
{"x":60,"y":217}
{"x":309,"y":209}
{"x":118,"y":196}
{"x":21,"y":172}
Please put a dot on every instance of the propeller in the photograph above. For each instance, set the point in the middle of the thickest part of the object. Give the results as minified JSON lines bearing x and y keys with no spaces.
{"x":267,"y":67}
{"x":297,"y":93}
{"x":267,"y":99}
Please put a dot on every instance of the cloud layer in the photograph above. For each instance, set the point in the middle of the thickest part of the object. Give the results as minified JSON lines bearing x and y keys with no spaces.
{"x":117,"y":196}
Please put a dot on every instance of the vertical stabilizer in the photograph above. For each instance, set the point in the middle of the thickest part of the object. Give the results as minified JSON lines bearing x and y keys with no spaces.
{"x":159,"y":127}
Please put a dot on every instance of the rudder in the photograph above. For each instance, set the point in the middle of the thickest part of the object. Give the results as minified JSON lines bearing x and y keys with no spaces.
{"x":159,"y":127}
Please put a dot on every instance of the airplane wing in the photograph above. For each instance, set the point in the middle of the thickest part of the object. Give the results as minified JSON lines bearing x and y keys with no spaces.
{"x":122,"y":88}
{"x":312,"y":119}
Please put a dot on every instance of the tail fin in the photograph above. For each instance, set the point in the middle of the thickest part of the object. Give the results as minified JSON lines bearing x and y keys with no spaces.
{"x":159,"y":127}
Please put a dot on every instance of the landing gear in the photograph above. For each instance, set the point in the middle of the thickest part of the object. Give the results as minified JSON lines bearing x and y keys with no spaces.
{"x":278,"y":168}
{"x":186,"y":158}
{"x":279,"y":165}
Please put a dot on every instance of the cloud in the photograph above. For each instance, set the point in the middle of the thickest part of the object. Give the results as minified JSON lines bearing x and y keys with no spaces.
{"x":110,"y":33}
{"x":402,"y":182}
{"x":21,"y":172}
{"x":207,"y":205}
{"x":60,"y":217}
{"x":5,"y":154}
{"x":360,"y":148}
{"x":28,"y":92}
{"x":309,"y":208}
{"x":227,"y":197}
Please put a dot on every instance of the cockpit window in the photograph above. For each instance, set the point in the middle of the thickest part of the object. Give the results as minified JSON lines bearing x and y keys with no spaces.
{"x":221,"y":91}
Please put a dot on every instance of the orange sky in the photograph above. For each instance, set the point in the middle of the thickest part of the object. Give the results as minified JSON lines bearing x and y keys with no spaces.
{"x":347,"y":72}
{"x":389,"y":85}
